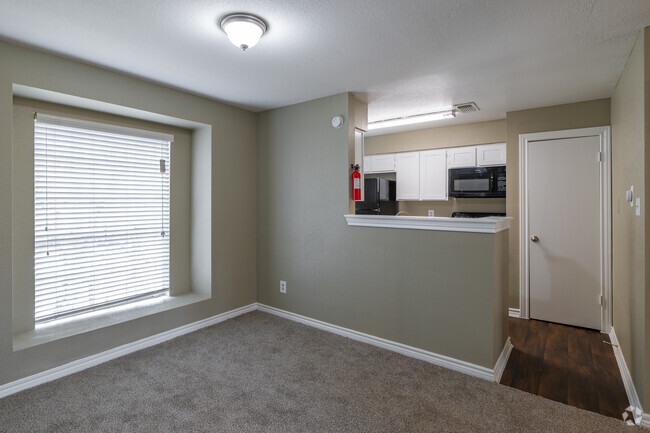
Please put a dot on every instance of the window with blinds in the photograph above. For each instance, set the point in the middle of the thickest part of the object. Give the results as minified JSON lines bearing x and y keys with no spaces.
{"x":101,"y":208}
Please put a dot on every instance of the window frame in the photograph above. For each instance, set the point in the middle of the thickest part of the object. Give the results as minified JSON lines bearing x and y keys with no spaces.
{"x":191,"y":213}
{"x":82,"y":135}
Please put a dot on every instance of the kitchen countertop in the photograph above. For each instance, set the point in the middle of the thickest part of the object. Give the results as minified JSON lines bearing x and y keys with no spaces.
{"x":469,"y":225}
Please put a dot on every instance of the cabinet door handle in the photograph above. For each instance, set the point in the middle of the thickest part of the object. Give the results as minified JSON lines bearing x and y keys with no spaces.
{"x":534,"y":238}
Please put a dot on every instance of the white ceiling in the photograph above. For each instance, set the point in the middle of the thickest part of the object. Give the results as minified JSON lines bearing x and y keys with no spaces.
{"x":402,"y":57}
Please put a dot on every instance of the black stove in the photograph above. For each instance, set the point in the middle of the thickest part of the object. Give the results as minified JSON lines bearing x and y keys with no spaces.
{"x":476,"y":214}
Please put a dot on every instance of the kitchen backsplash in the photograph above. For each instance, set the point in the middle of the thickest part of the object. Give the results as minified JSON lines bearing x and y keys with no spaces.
{"x":445,"y":208}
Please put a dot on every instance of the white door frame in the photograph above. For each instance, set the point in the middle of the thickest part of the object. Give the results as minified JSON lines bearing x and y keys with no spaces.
{"x":603,"y":132}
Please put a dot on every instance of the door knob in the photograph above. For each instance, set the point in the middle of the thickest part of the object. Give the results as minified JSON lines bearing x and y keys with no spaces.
{"x":534,"y":238}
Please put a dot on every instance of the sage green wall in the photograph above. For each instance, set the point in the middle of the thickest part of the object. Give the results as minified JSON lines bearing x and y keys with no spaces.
{"x":465,"y":134}
{"x":409,"y":286}
{"x":500,"y":291}
{"x":628,"y":230}
{"x":645,"y":207}
{"x":559,"y":117}
{"x":233,"y":255}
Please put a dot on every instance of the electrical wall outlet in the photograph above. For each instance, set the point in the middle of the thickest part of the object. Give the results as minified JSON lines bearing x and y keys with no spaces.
{"x":431,"y":212}
{"x":283,"y":287}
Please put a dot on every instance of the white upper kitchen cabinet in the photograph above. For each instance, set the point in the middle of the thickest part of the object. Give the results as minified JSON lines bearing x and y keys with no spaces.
{"x":491,"y":154}
{"x":367,"y":164}
{"x":382,"y":163}
{"x":408,"y":175}
{"x":461,"y":157}
{"x":433,"y":175}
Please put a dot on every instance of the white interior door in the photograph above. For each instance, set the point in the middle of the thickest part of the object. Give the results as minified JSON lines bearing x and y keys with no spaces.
{"x":564,"y":221}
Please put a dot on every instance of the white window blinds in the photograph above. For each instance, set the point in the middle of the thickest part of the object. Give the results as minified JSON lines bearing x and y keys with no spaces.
{"x":101,"y":208}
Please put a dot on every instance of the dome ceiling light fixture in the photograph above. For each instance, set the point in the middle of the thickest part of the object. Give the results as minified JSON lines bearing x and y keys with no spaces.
{"x":243,"y":30}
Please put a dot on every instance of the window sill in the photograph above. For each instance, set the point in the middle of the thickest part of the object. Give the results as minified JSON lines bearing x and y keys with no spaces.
{"x":63,"y":328}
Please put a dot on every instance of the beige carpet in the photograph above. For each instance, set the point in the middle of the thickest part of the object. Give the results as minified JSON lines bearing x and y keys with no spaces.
{"x":260,"y":373}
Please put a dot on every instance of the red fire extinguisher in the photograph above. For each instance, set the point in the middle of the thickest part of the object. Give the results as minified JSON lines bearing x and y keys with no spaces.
{"x":356,"y":183}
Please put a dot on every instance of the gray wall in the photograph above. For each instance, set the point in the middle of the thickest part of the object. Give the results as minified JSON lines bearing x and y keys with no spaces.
{"x":500,"y":291}
{"x":466,"y":134}
{"x":628,"y":230}
{"x":408,"y":286}
{"x":234,"y":198}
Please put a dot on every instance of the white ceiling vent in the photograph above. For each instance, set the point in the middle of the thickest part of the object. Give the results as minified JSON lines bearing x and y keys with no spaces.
{"x":466,"y":107}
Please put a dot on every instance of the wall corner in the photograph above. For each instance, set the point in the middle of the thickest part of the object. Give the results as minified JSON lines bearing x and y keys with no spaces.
{"x":357,"y":120}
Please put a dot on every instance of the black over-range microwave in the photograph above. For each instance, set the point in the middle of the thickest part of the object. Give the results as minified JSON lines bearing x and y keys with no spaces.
{"x":480,"y":182}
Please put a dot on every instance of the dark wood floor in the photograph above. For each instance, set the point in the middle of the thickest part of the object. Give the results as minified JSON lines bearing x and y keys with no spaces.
{"x":566,"y":364}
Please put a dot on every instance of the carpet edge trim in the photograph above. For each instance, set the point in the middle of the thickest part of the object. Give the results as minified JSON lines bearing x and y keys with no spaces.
{"x":110,"y":354}
{"x":630,"y":389}
{"x":410,"y":351}
{"x":501,"y":363}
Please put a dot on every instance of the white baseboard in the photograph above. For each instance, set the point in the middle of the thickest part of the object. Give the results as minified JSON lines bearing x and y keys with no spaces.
{"x":645,"y":420}
{"x":91,"y":361}
{"x":413,"y":352}
{"x":500,"y":366}
{"x":514,"y":312}
{"x":630,"y":390}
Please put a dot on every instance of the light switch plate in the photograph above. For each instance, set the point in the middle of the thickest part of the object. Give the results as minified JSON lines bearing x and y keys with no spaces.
{"x":629,"y":196}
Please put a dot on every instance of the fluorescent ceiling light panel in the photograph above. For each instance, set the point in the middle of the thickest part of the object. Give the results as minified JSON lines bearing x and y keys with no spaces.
{"x":409,"y":120}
